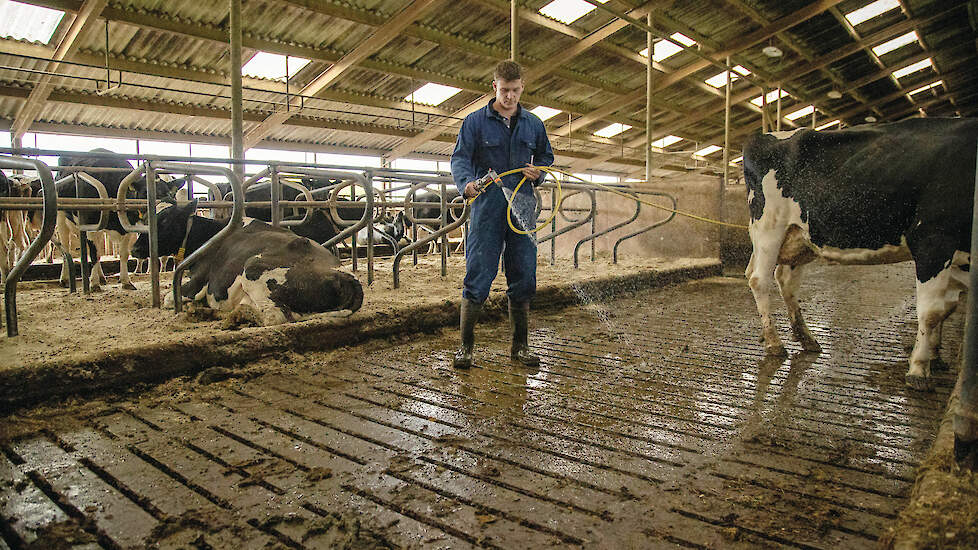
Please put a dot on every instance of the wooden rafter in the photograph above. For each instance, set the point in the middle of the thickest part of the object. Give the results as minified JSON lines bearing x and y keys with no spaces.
{"x":532,"y":74}
{"x":751,"y":39}
{"x":378,"y":39}
{"x":31,"y":108}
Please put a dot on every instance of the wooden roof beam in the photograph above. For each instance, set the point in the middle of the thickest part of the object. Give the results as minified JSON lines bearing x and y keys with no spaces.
{"x":532,"y":73}
{"x":249,"y":116}
{"x":841,"y":53}
{"x":31,"y":109}
{"x":751,"y":39}
{"x":377,"y":40}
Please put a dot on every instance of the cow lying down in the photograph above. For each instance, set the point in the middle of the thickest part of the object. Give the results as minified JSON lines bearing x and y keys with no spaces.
{"x":259,"y":271}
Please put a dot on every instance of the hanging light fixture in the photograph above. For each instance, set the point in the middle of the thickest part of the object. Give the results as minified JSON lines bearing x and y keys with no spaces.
{"x":772,"y":51}
{"x":834,"y":94}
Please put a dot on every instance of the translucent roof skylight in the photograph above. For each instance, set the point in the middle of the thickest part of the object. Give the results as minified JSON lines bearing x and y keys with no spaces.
{"x":663,"y":49}
{"x":613,"y":130}
{"x":544,"y":112}
{"x":795,"y":115}
{"x":708,"y":150}
{"x":272,"y":66}
{"x":666,"y":141}
{"x":898,"y":42}
{"x":432,"y":94}
{"x":737,"y":160}
{"x":870,"y":11}
{"x":828,"y":125}
{"x":927,"y":87}
{"x":909,"y":69}
{"x":26,"y":22}
{"x":720,"y":80}
{"x":568,"y":11}
{"x":772,"y":96}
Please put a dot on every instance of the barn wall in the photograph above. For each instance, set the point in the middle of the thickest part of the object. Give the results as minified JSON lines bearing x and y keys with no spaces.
{"x":681,"y":237}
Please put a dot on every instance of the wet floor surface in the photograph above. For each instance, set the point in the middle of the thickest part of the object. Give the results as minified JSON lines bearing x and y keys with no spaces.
{"x":654,"y":421}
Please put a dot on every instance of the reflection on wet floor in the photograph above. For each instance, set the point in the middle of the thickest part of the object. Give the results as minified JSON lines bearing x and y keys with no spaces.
{"x":654,"y":420}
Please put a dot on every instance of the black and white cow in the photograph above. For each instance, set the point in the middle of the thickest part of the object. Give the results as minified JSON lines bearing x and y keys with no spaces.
{"x":260,"y":271}
{"x":6,"y":235}
{"x":870,"y":194}
{"x":67,"y":222}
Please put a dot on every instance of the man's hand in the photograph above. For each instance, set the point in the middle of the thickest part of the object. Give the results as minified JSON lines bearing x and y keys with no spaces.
{"x":531,"y":173}
{"x":471,"y":190}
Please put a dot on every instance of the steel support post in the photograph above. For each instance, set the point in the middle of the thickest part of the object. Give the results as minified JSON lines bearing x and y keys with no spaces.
{"x":648,"y":103}
{"x":764,"y":121}
{"x":726,"y":159}
{"x":514,"y":30}
{"x":966,"y":417}
{"x":237,"y":126}
{"x":154,"y":246}
{"x":780,"y":93}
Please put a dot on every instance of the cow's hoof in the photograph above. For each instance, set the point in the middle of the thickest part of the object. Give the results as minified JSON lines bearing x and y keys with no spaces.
{"x":938,"y":364}
{"x":776,"y":351}
{"x":966,"y":453}
{"x":919,"y":383}
{"x":811,"y":345}
{"x":128,"y":286}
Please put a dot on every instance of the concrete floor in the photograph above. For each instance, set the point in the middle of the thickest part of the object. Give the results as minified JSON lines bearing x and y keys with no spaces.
{"x":654,"y":421}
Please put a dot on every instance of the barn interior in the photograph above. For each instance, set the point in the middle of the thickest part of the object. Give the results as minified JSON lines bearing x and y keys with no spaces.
{"x":655,"y":419}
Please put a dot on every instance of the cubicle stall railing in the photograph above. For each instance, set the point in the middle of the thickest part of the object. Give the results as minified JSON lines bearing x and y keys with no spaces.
{"x":333,"y":189}
{"x":49,"y":210}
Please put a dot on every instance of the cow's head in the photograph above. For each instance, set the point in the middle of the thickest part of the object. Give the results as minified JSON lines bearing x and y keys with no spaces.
{"x":171,"y":224}
{"x":165,"y":189}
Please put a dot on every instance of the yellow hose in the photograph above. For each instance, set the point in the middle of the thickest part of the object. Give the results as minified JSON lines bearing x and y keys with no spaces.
{"x":560,"y":198}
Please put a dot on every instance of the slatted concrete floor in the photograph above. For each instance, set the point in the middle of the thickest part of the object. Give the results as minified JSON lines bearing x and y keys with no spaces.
{"x":654,"y":421}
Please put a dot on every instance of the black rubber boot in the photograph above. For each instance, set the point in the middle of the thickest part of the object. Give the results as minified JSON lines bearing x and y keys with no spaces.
{"x":519,"y":321}
{"x":468,"y":315}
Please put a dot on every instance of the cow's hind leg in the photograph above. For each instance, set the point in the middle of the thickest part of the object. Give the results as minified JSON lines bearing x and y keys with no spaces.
{"x":759,"y":273}
{"x":936,"y":299}
{"x":125,"y":246}
{"x":789,"y":281}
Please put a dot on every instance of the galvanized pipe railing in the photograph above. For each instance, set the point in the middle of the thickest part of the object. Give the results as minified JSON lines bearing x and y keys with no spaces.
{"x":418,"y":244}
{"x":48,"y":217}
{"x":579,"y":188}
{"x":675,"y":203}
{"x":237,"y":213}
{"x":593,"y":236}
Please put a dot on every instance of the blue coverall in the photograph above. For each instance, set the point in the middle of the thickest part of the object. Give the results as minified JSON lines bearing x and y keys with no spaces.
{"x":485,"y":142}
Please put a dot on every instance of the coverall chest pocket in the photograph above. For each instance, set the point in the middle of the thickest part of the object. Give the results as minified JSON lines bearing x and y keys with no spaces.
{"x":492,"y":152}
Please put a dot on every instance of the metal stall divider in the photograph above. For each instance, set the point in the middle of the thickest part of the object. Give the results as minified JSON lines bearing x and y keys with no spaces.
{"x":49,"y":215}
{"x":675,"y":204}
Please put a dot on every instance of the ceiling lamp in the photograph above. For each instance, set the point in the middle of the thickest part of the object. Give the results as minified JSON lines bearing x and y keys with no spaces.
{"x":870,"y":118}
{"x":772,"y":51}
{"x":834,"y":94}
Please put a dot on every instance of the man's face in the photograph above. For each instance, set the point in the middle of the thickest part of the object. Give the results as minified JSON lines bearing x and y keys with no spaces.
{"x":508,"y":92}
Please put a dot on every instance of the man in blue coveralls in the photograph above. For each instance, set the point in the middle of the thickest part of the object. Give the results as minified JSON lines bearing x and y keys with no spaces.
{"x":501,"y":136}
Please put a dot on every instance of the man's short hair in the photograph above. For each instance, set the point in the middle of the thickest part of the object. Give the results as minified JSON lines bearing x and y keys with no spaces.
{"x":508,"y":70}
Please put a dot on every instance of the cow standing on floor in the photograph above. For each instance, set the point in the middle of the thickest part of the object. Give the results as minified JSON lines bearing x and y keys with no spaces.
{"x":67,"y":222}
{"x":6,"y":237}
{"x":871,"y":194}
{"x":260,"y":272}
